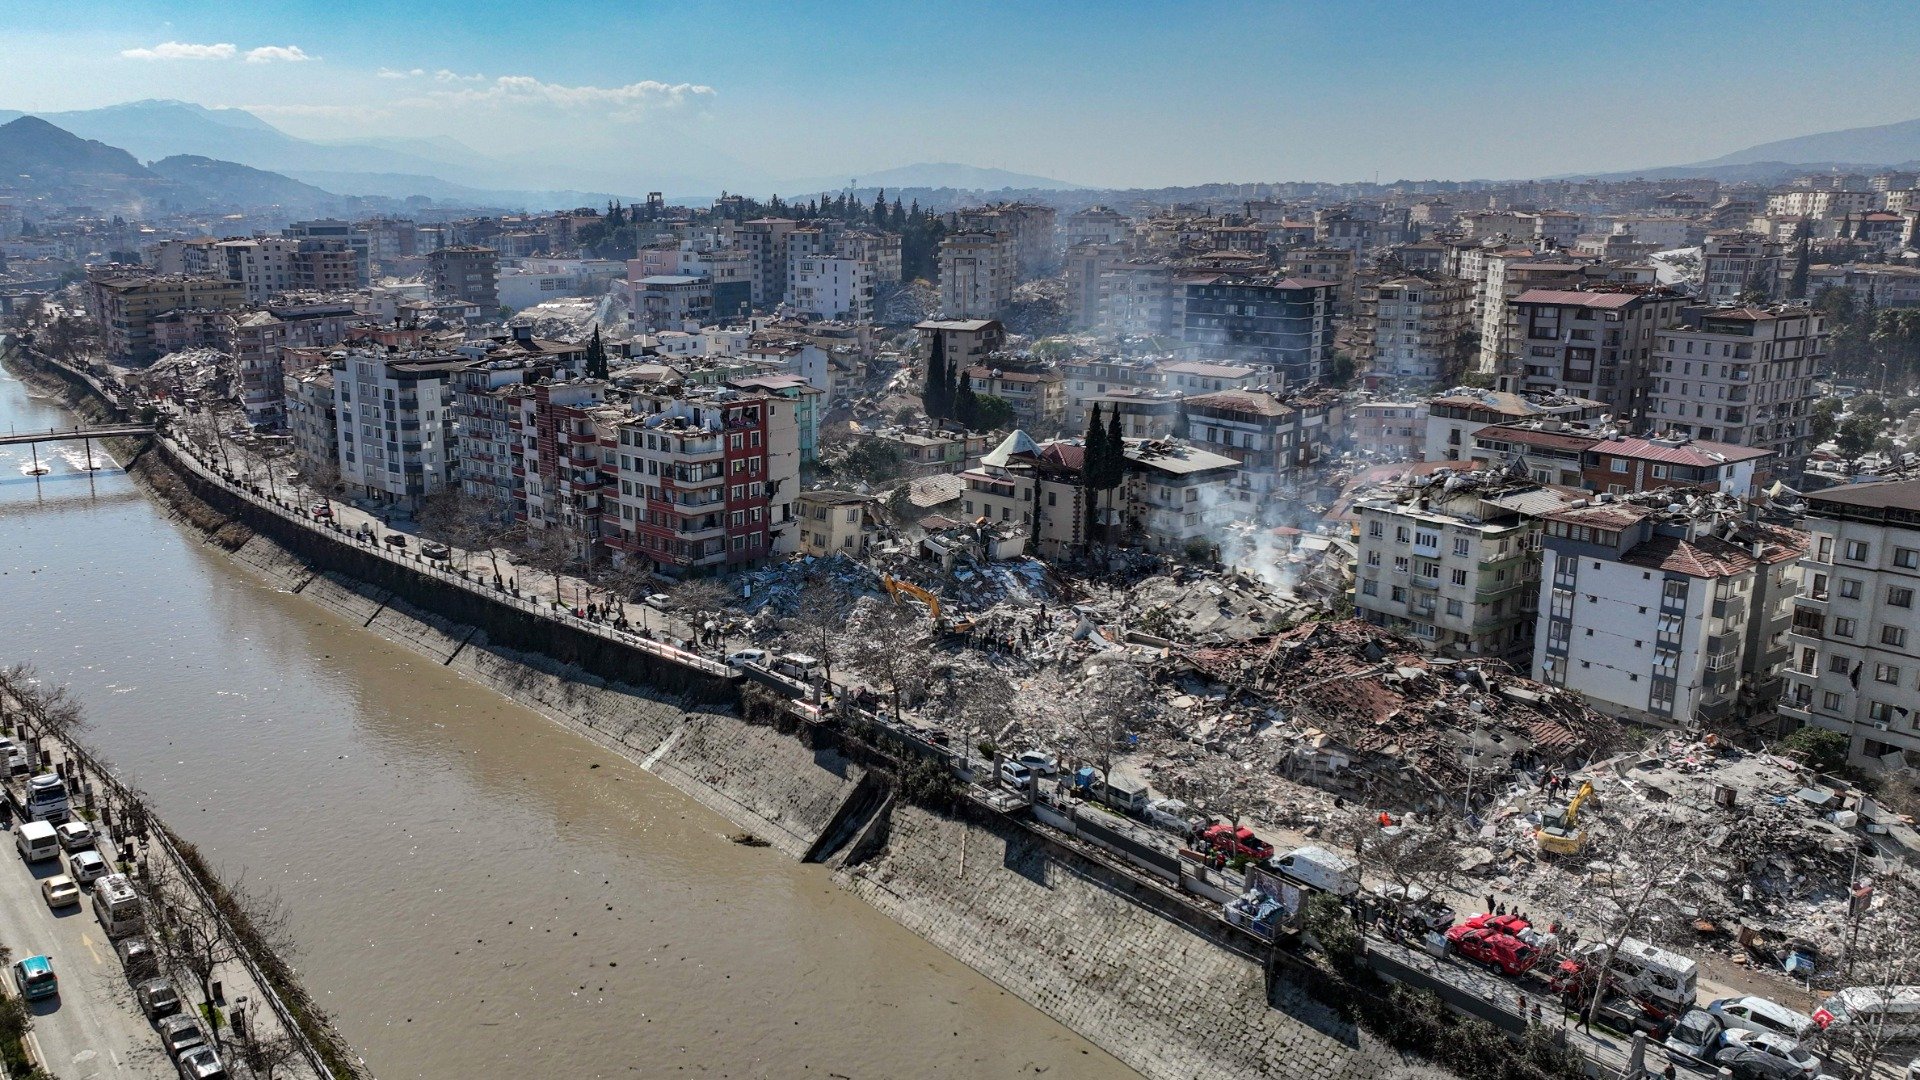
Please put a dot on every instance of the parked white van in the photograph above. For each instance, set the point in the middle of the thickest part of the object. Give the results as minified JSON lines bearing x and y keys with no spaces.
{"x":1759,"y":1014}
{"x":1650,"y":971}
{"x":1318,"y":868}
{"x":1892,"y":1013}
{"x":36,"y":840}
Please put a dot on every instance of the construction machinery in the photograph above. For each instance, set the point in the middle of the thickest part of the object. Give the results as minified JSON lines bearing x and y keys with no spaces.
{"x":1561,"y":833}
{"x":952,"y":624}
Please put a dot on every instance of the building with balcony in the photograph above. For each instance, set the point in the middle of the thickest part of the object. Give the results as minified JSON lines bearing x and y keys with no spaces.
{"x":977,"y":273}
{"x":1666,"y":613}
{"x":1282,"y":323}
{"x":1855,"y":637}
{"x":560,"y":461}
{"x":1037,"y":393}
{"x":1595,"y":342}
{"x":1412,"y":327}
{"x":1742,"y":376}
{"x":467,"y":272}
{"x":1603,"y":461}
{"x":837,"y":523}
{"x":706,"y":481}
{"x":1175,"y":496}
{"x":1453,"y":417}
{"x":1735,"y":261}
{"x":308,"y":381}
{"x":394,"y":422}
{"x":125,"y":305}
{"x":1455,"y":570}
{"x":1271,"y":437}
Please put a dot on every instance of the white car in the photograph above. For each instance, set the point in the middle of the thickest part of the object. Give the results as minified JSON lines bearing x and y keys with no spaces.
{"x":1758,"y":1014}
{"x":1015,"y":775}
{"x":60,"y":891}
{"x":1039,"y":761}
{"x":748,"y":658}
{"x":1784,"y":1047}
{"x":87,"y":866}
{"x":75,"y":835}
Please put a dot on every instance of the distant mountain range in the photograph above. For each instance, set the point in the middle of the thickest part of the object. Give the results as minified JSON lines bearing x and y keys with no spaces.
{"x":1859,"y":149}
{"x":40,"y":160}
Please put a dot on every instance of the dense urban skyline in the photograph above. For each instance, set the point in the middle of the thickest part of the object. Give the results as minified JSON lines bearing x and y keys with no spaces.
{"x":587,"y":94}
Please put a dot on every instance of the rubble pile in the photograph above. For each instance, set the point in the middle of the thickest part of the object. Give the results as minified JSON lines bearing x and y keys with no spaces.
{"x":191,"y":371}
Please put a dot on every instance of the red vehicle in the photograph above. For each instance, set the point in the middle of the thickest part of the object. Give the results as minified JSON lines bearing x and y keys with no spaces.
{"x":1237,"y":842}
{"x":1494,"y":941}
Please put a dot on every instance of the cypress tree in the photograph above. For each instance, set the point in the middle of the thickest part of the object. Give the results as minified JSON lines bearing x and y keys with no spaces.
{"x":880,"y":209}
{"x":1802,"y":267}
{"x":1090,"y":471}
{"x":1116,"y":452}
{"x":961,"y":385}
{"x":597,"y":367}
{"x":966,"y":406}
{"x":898,"y":219}
{"x":934,"y":396}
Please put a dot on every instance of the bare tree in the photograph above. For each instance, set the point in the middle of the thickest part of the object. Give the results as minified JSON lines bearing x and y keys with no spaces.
{"x":625,"y":581}
{"x":551,"y":551}
{"x":269,"y":1056}
{"x":470,"y":525}
{"x":889,"y":648}
{"x":821,"y":612}
{"x":1882,"y":954}
{"x":48,"y":710}
{"x":1110,"y":704}
{"x":191,"y":938}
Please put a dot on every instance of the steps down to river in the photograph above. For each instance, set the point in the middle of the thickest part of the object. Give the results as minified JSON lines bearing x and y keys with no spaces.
{"x":1070,"y":940}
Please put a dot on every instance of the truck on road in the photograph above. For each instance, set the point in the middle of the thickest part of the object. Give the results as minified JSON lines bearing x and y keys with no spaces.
{"x":38,"y":798}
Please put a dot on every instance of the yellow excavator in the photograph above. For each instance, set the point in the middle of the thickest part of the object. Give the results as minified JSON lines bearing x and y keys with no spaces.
{"x":950,"y":624}
{"x":1561,"y":834}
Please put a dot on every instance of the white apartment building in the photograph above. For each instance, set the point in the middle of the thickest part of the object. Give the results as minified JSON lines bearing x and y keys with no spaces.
{"x":1454,"y":570}
{"x":393,"y":414}
{"x":977,"y":271}
{"x":1454,"y":416}
{"x":1596,"y":342}
{"x":831,"y":287}
{"x":1855,"y":667}
{"x":1662,"y":613}
{"x":264,"y":265}
{"x":1742,"y":376}
{"x":1823,"y":204}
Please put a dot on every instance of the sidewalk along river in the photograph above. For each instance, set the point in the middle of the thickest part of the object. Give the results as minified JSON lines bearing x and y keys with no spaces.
{"x":476,"y":891}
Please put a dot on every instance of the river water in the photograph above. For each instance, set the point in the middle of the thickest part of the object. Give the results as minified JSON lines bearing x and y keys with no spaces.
{"x":472,"y":896}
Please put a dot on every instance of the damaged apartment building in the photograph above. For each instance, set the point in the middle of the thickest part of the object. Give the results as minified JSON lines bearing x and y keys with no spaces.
{"x":1451,"y":559}
{"x":1667,"y":607}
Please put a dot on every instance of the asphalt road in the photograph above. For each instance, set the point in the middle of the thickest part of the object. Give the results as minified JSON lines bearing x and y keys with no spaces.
{"x":93,"y":1028}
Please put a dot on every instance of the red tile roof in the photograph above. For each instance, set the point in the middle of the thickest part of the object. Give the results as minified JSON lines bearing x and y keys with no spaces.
{"x":1568,"y":298}
{"x":1707,"y":557}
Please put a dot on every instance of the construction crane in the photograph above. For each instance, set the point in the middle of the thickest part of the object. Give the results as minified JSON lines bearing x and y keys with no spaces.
{"x":1561,"y":834}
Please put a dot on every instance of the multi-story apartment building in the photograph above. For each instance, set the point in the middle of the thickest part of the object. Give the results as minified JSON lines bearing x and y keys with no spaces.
{"x":836,"y":523}
{"x":394,"y":421}
{"x":1388,"y":430}
{"x":198,"y":256}
{"x":879,"y":251}
{"x":1272,"y":437}
{"x":1087,"y":378}
{"x":1176,"y":496}
{"x":1503,"y":276}
{"x":560,"y":458}
{"x":1142,"y":299}
{"x":1823,"y":203}
{"x":1204,"y":377}
{"x":1412,"y":327}
{"x":1284,"y":323}
{"x":765,"y":241}
{"x":466,"y":272}
{"x":308,"y":380}
{"x":263,"y":264}
{"x":1335,"y":264}
{"x":1741,"y":376}
{"x":1603,"y":460}
{"x":125,"y":307}
{"x":1596,"y":342}
{"x":334,"y":235}
{"x":706,"y":481}
{"x":962,"y":341}
{"x":1733,"y":261}
{"x":1087,"y":267}
{"x":1665,"y":613}
{"x":257,"y":339}
{"x":977,"y":272}
{"x":1455,"y":570}
{"x":1454,"y":417}
{"x":490,"y":399}
{"x":1096,"y":225}
{"x":1037,"y":393}
{"x":1029,"y":228}
{"x":1855,"y":637}
{"x":831,"y":287}
{"x":669,"y":302}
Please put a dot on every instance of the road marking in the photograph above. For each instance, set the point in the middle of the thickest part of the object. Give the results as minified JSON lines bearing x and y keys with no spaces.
{"x":87,"y":940}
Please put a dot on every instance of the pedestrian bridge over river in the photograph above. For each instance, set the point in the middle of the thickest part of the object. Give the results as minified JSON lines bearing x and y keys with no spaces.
{"x":105,"y":431}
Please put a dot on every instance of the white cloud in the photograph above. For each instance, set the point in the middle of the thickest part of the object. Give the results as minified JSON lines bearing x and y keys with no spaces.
{"x":180,"y":50}
{"x":390,"y":73}
{"x":527,"y":90}
{"x":267,"y":54}
{"x":443,"y":75}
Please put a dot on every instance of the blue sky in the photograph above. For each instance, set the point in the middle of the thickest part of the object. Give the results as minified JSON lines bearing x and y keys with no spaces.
{"x":1119,"y":93}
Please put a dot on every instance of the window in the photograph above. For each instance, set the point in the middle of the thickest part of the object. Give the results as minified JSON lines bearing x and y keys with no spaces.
{"x":1460,"y":545}
{"x":1850,"y":588}
{"x":1895,"y":636}
{"x":1374,"y":529}
{"x":1857,"y":551}
{"x":1899,"y":596}
{"x":1886,"y":673}
{"x":1459,"y":577}
{"x":1619,"y":465}
{"x":1839,"y":665}
{"x":1373,"y":558}
{"x":1830,"y":701}
{"x":1906,"y":558}
{"x":1399,"y":595}
{"x":1400,"y":563}
{"x":1456,"y":608}
{"x":1879,"y":712}
{"x":1369,"y":588}
{"x":1843,"y":628}
{"x":1400,"y":534}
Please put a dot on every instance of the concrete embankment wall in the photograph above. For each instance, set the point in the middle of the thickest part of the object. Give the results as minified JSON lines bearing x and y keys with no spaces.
{"x":763,"y":781}
{"x":1094,"y":952}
